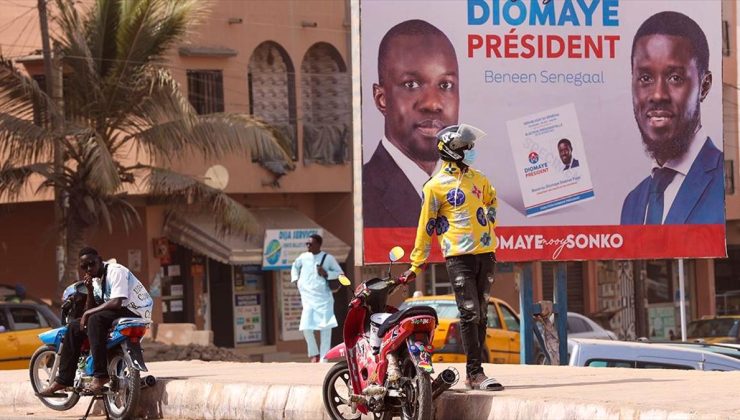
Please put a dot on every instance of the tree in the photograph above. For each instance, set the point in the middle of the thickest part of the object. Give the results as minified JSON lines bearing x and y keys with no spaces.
{"x":119,"y":100}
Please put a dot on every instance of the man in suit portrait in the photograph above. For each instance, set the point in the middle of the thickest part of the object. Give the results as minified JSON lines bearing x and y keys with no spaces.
{"x":417,"y":93}
{"x":565,"y":150}
{"x":670,"y":79}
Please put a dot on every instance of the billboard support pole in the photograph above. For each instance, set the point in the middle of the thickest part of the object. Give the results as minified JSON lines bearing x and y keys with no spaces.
{"x":682,"y":298}
{"x":526,"y":295}
{"x":560,"y":297}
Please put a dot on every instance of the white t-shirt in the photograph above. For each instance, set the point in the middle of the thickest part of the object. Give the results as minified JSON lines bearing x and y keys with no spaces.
{"x":120,"y":282}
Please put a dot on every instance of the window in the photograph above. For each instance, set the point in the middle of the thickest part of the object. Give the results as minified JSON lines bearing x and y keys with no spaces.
{"x":492,"y":320}
{"x":26,"y":318}
{"x":206,"y":91}
{"x":726,"y":38}
{"x":729,"y":177}
{"x":39,"y":111}
{"x":656,"y":365}
{"x":510,"y":319}
{"x":610,"y":363}
{"x":577,"y":325}
{"x":4,"y":326}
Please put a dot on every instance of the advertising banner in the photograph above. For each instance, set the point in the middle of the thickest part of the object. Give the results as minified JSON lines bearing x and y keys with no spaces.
{"x":603,"y":122}
{"x":283,"y":246}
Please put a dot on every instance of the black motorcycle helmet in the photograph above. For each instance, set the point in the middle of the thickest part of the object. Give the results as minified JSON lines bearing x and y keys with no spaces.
{"x":454,"y":140}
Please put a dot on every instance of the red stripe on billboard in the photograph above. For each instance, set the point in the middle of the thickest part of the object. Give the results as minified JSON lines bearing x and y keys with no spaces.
{"x":572,"y":242}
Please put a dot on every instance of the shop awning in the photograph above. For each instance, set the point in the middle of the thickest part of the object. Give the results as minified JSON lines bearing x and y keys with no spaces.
{"x":198,"y":233}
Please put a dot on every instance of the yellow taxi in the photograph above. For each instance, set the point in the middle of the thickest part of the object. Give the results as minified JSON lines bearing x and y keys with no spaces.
{"x":20,"y":325}
{"x":714,"y":330}
{"x":502,"y":334}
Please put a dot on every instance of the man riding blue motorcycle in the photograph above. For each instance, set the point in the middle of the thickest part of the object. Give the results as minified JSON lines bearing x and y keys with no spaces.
{"x":113,"y":292}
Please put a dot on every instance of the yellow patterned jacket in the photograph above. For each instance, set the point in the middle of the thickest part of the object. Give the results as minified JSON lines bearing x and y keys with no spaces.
{"x":461,"y":208}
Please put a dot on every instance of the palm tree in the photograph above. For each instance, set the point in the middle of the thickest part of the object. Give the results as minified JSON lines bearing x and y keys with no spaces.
{"x":119,"y":100}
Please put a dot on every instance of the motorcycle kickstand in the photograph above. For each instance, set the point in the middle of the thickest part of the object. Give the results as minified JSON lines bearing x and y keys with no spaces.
{"x":89,"y":407}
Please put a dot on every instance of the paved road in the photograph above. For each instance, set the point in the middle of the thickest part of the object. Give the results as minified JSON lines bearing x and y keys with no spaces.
{"x":196,"y":389}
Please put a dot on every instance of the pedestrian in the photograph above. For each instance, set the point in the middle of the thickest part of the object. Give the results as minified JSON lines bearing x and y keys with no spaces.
{"x":112,"y":292}
{"x":460,"y":206}
{"x":312,"y":270}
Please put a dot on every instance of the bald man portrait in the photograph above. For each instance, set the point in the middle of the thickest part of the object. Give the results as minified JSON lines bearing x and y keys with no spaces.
{"x":417,"y":93}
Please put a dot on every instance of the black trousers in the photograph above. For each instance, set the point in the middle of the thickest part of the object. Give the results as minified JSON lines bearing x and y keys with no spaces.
{"x":98,"y":326}
{"x":472,"y":277}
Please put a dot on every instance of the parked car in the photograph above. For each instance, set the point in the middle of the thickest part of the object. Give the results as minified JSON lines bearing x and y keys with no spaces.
{"x":720,"y":329}
{"x":732,"y":350}
{"x":20,"y":325}
{"x":502,"y":334}
{"x":581,"y":326}
{"x":601,"y":353}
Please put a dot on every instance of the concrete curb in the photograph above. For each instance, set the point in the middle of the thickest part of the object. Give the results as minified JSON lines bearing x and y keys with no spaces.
{"x":227,"y":390}
{"x":192,"y":399}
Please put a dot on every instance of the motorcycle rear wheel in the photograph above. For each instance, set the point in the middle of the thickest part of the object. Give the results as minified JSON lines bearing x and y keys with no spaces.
{"x":418,"y":403}
{"x":40,"y":372}
{"x":122,"y":400}
{"x":336,"y":391}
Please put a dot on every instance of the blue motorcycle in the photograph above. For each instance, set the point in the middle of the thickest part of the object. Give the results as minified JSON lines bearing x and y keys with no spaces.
{"x":125,"y":362}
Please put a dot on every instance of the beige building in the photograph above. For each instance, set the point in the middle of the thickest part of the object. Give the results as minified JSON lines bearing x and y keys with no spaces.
{"x":288,"y":62}
{"x":283,"y":61}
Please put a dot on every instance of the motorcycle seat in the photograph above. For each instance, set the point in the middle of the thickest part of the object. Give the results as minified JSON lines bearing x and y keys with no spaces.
{"x":126,"y":319}
{"x":406,"y":313}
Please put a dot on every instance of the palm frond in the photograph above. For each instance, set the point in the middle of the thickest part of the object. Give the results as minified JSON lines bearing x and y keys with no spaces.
{"x":83,"y":92}
{"x":147,"y":29}
{"x":22,"y":141}
{"x":101,"y":29}
{"x":99,"y":165}
{"x":14,"y":179}
{"x":20,"y":93}
{"x":184,"y":194}
{"x":217,"y":135}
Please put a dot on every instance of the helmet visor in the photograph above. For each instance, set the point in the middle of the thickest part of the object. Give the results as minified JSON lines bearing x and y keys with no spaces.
{"x":466,"y":137}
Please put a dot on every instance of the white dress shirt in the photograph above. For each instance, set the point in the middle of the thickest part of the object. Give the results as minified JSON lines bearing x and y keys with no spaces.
{"x":681,"y":165}
{"x":417,"y":176}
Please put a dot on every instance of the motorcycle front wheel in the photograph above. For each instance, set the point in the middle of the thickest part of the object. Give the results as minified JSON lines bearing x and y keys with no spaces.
{"x":125,"y":387}
{"x":418,"y":402}
{"x":39,"y":370}
{"x":336,"y":391}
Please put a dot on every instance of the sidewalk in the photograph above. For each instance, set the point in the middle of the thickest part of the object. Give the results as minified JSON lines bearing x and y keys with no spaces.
{"x":197,"y":389}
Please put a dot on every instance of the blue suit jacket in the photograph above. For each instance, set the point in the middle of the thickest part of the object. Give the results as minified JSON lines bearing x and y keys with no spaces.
{"x":700,"y":200}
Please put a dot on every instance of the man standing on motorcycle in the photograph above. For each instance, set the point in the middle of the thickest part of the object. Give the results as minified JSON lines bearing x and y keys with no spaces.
{"x":112,"y":292}
{"x":459,"y":204}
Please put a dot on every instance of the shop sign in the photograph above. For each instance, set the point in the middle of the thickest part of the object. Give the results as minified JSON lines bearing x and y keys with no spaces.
{"x":283,"y":246}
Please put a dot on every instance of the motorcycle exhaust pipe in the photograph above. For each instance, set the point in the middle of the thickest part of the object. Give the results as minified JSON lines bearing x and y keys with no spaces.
{"x":148,"y":381}
{"x":444,"y":381}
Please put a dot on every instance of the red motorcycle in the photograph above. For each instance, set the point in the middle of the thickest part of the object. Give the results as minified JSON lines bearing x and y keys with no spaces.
{"x":388,"y":357}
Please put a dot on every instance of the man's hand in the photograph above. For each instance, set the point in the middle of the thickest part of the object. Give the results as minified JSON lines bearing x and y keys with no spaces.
{"x":407,"y":277}
{"x":87,"y":280}
{"x":83,"y":321}
{"x":322,"y":272}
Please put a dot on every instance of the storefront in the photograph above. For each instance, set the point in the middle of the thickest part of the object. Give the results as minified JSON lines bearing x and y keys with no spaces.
{"x":244,"y":300}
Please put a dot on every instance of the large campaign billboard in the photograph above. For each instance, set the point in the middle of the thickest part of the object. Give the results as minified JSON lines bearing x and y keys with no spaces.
{"x":603,"y":122}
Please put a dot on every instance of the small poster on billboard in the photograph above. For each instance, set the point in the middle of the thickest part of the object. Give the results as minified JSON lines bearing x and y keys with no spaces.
{"x":550,"y":160}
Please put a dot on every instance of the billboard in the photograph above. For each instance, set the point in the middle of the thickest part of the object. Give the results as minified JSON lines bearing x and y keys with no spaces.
{"x":603,"y":122}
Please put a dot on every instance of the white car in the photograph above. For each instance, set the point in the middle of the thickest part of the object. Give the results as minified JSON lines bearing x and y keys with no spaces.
{"x":580,"y":326}
{"x":601,"y":353}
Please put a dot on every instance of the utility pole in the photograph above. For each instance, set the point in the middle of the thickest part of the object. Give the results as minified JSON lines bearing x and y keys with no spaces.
{"x":53,"y":76}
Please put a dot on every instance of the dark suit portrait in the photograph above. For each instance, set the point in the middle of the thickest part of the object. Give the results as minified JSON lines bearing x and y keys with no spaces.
{"x":565,"y":150}
{"x":670,"y":80}
{"x":417,"y":93}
